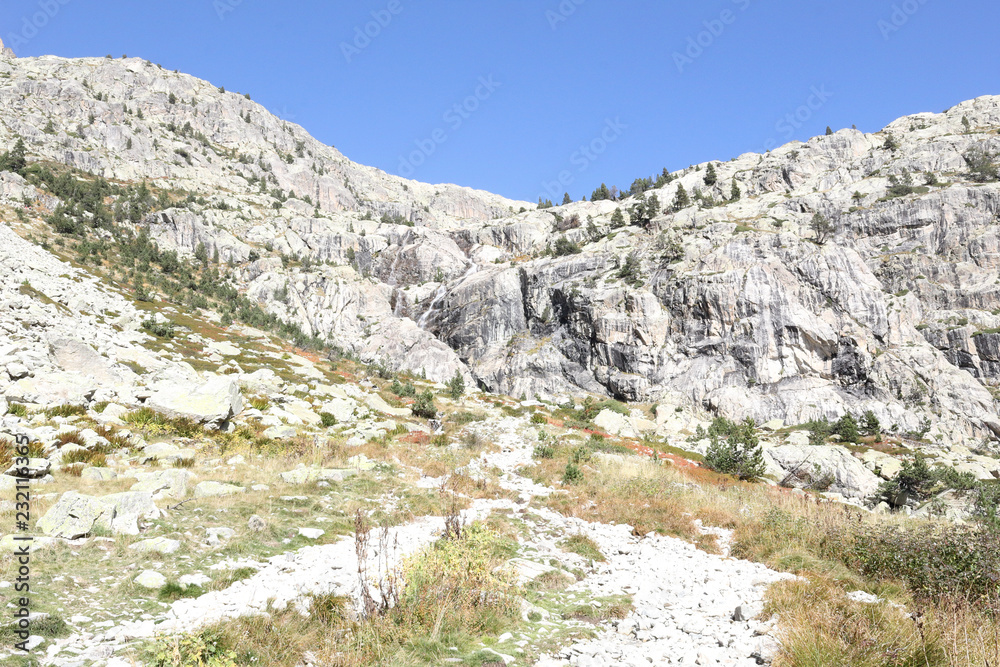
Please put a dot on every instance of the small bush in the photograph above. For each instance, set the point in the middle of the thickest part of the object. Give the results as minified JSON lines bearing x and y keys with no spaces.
{"x":260,"y":403}
{"x":544,"y":451}
{"x":583,"y":546}
{"x":66,"y":411}
{"x":465,"y":417}
{"x":159,"y":329}
{"x":847,"y":428}
{"x":143,"y":417}
{"x":17,"y":409}
{"x":172,"y":591}
{"x":572,"y":474}
{"x":403,"y":390}
{"x":327,"y":419}
{"x":537,"y":418}
{"x":739,"y":454}
{"x":424,"y":406}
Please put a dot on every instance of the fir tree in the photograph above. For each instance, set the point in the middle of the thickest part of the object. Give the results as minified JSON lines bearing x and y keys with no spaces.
{"x":711,"y":178}
{"x":681,"y":199}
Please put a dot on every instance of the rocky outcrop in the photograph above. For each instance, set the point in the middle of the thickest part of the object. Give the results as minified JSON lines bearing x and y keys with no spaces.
{"x":733,"y":305}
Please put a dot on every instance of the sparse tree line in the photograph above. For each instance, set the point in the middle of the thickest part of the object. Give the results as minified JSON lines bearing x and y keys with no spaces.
{"x":101,"y":222}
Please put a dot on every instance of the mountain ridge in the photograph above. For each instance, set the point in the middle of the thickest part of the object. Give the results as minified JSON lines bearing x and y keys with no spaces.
{"x":726,"y":303}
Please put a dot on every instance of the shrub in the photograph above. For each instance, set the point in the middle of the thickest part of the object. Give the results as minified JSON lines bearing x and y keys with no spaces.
{"x":327,"y":419}
{"x":466,"y":417}
{"x":982,"y":169}
{"x":871,"y":425}
{"x":847,"y":428}
{"x":17,"y":409}
{"x":821,"y":227}
{"x":934,"y":560}
{"x":583,"y":546}
{"x":538,"y":418}
{"x":986,"y":505}
{"x":739,"y":454}
{"x":563,"y":246}
{"x":424,"y":406}
{"x":544,"y":451}
{"x":159,"y":329}
{"x":401,"y":390}
{"x":572,"y":474}
{"x":914,"y":480}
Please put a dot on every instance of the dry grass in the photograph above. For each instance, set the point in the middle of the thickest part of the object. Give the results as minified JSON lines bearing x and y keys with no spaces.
{"x":453,"y":596}
{"x":836,"y":547}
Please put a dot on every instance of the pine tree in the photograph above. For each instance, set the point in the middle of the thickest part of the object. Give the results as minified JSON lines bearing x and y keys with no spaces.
{"x":734,"y":192}
{"x":172,"y":99}
{"x":829,"y":131}
{"x":711,"y":178}
{"x":681,"y":199}
{"x":601,"y":194}
{"x":821,"y":226}
{"x":566,"y":199}
{"x":617,"y":219}
{"x":14,"y":159}
{"x":456,"y":386}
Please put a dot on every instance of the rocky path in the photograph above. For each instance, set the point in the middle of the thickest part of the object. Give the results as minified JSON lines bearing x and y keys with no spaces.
{"x":689,"y":607}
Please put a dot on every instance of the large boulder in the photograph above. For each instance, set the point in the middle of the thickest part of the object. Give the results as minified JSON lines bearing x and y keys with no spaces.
{"x":614,"y":423}
{"x":75,"y":515}
{"x":824,"y":468}
{"x":172,"y":483}
{"x":130,"y":510}
{"x":212,"y":402}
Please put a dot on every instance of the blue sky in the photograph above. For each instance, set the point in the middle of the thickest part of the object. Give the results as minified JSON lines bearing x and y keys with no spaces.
{"x":637,"y":84}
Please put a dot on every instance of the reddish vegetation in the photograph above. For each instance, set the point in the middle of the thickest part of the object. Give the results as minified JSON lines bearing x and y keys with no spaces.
{"x":416,"y":438}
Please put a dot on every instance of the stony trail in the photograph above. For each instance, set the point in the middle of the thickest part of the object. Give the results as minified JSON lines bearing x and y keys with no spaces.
{"x":684,"y":600}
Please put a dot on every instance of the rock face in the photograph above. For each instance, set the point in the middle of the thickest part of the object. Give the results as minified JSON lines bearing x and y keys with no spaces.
{"x":732,"y":304}
{"x":6,"y":52}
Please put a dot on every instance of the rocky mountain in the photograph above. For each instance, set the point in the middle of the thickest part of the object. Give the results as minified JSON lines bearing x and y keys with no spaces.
{"x":242,"y":381}
{"x":853,"y":272}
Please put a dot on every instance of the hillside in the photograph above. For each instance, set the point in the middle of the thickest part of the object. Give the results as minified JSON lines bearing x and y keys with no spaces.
{"x":322,"y":415}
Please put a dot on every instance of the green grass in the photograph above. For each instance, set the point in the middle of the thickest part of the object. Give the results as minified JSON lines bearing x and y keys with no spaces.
{"x":583,"y":546}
